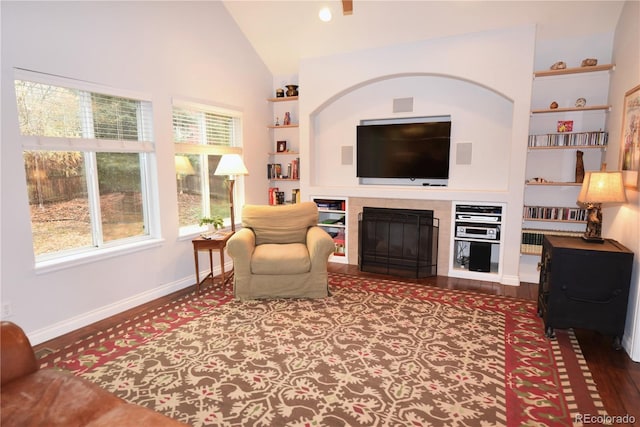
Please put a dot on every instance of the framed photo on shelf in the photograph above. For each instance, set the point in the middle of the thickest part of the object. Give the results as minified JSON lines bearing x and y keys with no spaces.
{"x":281,"y":146}
{"x":565,"y":125}
{"x":630,"y":139}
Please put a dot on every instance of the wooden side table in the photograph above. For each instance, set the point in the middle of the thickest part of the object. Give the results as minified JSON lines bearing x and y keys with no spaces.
{"x":217,"y":241}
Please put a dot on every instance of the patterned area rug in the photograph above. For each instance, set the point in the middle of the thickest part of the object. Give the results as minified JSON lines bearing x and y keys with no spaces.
{"x":375,"y":352}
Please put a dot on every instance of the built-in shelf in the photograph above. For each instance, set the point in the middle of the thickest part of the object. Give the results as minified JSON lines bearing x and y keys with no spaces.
{"x":556,"y":184}
{"x":284,"y":153}
{"x":568,"y":147}
{"x":568,"y":109}
{"x":283,"y":99}
{"x":332,"y":218}
{"x":574,"y":70}
{"x":282,"y":126}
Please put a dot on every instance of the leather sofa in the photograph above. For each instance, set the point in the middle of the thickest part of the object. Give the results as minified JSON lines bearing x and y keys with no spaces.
{"x":280,"y":253}
{"x":30,"y":396}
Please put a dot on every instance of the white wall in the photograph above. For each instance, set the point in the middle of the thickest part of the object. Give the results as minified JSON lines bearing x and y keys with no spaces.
{"x":189,"y":50}
{"x":623,"y":222}
{"x":454,"y":75}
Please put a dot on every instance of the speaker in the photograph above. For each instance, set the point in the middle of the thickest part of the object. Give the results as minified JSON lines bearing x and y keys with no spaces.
{"x":403,"y":105}
{"x":463,"y":153}
{"x":346,"y":156}
{"x":480,"y":257}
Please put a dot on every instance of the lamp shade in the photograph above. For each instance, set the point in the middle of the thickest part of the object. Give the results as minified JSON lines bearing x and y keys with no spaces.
{"x":602,"y":187}
{"x":183,"y":166}
{"x":231,"y":164}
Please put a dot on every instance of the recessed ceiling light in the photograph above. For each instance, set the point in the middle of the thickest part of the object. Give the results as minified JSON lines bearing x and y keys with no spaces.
{"x":325,"y":14}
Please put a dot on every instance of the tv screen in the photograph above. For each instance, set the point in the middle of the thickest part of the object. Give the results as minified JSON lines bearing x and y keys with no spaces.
{"x":404,"y":150}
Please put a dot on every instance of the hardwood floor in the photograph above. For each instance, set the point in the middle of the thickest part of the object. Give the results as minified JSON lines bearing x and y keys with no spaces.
{"x":616,"y":375}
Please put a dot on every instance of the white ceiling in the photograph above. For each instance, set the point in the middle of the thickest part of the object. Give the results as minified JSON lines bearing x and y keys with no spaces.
{"x":282,"y":32}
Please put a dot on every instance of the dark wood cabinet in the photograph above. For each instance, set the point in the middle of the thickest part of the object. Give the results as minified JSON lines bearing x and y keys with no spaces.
{"x":584,"y":285}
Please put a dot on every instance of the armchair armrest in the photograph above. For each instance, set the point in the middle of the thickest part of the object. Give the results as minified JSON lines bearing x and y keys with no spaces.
{"x":240,"y":247}
{"x":320,"y":246}
{"x":17,"y":358}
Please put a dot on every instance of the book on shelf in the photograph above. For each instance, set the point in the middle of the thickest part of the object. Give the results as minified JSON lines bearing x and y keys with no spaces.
{"x":294,"y":168}
{"x":274,"y":170}
{"x":554,"y":213}
{"x":532,"y":239}
{"x":295,"y":195}
{"x":276,"y":197}
{"x":596,"y":138}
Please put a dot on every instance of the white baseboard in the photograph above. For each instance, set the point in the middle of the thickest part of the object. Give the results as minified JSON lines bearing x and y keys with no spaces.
{"x":77,"y":322}
{"x":510,"y":280}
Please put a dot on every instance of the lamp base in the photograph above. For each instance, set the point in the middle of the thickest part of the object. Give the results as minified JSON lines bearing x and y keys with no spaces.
{"x":592,"y":239}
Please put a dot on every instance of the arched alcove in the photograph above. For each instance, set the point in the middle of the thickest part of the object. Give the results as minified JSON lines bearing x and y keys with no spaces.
{"x":482,"y":119}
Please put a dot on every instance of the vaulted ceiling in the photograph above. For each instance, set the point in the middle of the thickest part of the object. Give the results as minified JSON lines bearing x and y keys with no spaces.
{"x":282,"y":32}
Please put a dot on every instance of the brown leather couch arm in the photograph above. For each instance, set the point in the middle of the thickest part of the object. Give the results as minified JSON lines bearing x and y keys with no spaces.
{"x":16,"y":355}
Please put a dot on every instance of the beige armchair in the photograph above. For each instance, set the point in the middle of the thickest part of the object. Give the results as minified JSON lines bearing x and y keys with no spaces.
{"x":280,"y":253}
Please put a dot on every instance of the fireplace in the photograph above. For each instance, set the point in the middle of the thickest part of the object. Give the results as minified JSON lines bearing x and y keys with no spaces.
{"x":399,"y":242}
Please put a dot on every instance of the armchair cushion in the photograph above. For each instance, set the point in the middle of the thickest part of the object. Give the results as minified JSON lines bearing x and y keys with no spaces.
{"x":290,"y":258}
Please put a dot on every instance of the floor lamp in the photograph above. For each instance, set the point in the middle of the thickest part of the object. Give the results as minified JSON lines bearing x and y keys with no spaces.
{"x":231,"y":164}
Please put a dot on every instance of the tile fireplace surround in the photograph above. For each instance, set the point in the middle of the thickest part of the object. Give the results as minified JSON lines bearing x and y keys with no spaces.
{"x":441,"y":210}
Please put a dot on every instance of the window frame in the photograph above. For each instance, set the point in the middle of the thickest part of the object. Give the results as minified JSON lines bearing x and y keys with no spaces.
{"x":203,"y":149}
{"x":90,"y":147}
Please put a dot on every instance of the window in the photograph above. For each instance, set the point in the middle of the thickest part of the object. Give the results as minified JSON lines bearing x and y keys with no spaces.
{"x":202,"y":134}
{"x":86,"y":154}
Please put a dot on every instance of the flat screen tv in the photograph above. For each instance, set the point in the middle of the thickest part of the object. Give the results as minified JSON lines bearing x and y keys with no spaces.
{"x":414,"y":151}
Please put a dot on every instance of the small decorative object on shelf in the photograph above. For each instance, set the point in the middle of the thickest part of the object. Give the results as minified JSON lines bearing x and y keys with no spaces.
{"x":579,"y":166}
{"x":277,"y":123}
{"x":287,"y":119}
{"x":581,"y":102}
{"x":281,"y":147}
{"x":553,"y":105}
{"x":589,"y":62}
{"x":565,"y":125}
{"x":560,"y":65}
{"x":537,"y":180}
{"x":280,"y":93}
{"x":292,"y":90}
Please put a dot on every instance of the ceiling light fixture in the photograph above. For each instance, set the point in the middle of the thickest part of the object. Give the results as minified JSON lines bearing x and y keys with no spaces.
{"x":325,"y":14}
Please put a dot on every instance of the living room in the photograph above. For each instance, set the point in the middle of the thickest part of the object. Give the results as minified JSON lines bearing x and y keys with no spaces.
{"x":195,"y":51}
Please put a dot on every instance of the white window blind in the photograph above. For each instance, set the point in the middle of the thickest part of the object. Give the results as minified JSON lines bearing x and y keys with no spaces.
{"x":216,"y":131}
{"x":57,"y":117}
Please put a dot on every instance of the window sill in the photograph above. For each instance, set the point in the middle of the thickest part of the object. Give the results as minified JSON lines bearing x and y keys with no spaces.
{"x":101,"y":254}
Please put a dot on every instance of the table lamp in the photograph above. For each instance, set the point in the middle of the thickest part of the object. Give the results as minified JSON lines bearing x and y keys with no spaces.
{"x":231,"y":164}
{"x":598,"y":188}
